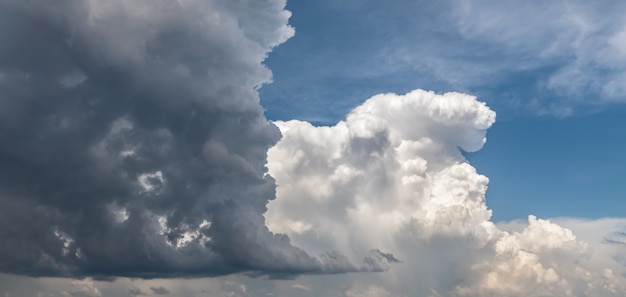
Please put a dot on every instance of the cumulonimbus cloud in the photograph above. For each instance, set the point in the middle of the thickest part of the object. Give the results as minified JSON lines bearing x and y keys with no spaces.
{"x":392,"y":175}
{"x":133,"y":142}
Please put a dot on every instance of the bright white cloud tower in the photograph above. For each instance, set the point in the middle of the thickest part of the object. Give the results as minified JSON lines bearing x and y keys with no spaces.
{"x":392,"y":177}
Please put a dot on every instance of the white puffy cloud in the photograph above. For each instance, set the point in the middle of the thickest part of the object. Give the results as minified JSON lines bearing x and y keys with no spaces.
{"x":391,"y":177}
{"x":380,"y":169}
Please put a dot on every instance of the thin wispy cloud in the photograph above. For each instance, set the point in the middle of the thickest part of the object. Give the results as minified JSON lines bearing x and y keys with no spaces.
{"x":558,"y":58}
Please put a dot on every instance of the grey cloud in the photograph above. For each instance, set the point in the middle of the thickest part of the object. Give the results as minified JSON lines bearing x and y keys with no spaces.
{"x":616,"y":238}
{"x":83,"y":288}
{"x":234,"y":289}
{"x":132,"y":139}
{"x":159,"y":290}
{"x":136,"y":292}
{"x":379,"y":261}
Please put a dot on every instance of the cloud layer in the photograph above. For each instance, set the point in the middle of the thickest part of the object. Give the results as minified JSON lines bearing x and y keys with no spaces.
{"x":392,"y":176}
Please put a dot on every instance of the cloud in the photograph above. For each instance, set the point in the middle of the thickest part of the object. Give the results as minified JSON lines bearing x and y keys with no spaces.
{"x":159,"y":290}
{"x":136,"y":292}
{"x":576,"y":35}
{"x":133,"y":142}
{"x":231,"y":289}
{"x":83,"y":288}
{"x":571,"y":50}
{"x":371,"y":291}
{"x":391,"y":176}
{"x":616,"y":238}
{"x":298,"y":287}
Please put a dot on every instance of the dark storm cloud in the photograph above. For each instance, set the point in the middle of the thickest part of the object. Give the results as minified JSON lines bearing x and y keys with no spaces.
{"x":132,"y":142}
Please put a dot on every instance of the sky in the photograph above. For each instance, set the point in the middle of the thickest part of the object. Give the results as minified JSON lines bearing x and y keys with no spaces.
{"x":312,"y":148}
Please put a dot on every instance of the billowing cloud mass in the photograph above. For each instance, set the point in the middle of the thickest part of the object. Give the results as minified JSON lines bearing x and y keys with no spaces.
{"x":392,"y":175}
{"x":133,"y":142}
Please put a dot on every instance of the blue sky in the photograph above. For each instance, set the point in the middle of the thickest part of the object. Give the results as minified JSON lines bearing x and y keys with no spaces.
{"x":556,"y":150}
